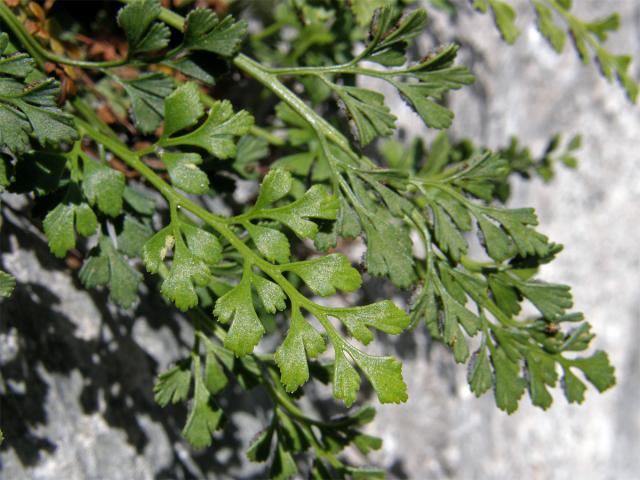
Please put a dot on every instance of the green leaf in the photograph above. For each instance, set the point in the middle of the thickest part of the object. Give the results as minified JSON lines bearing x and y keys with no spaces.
{"x":59,"y":226}
{"x":103,"y":186}
{"x":346,"y":225}
{"x":433,"y":115}
{"x":588,"y":39}
{"x":480,"y":174}
{"x":573,"y":388}
{"x":435,"y":76}
{"x":184,"y":173}
{"x":367,"y":443}
{"x":250,"y":150}
{"x":270,"y":243}
{"x":283,"y":466}
{"x":444,"y":5}
{"x":14,"y":130}
{"x":505,"y":296}
{"x":479,"y":376}
{"x":455,"y":313}
{"x":182,"y":109}
{"x":196,"y":69}
{"x":425,"y":306}
{"x":509,"y":386}
{"x":346,"y":380}
{"x":397,"y":204}
{"x":364,"y":9}
{"x":541,"y":371}
{"x":260,"y":447}
{"x":326,"y":274}
{"x":205,"y":416}
{"x":547,"y":26}
{"x":275,"y":185}
{"x":204,"y":31}
{"x":133,"y":236}
{"x":202,"y":244}
{"x":372,"y":118}
{"x":385,"y":375}
{"x":302,"y":341}
{"x":516,"y":222}
{"x":236,"y":307}
{"x":438,"y":156}
{"x":550,"y":299}
{"x":31,"y":110}
{"x":185,"y":273}
{"x":390,"y":34}
{"x":270,"y":293}
{"x":384,"y":316}
{"x":216,"y":134}
{"x":85,"y":220}
{"x":380,"y":260}
{"x":214,"y":376}
{"x":147,"y":94}
{"x":577,"y":339}
{"x":156,"y":248}
{"x":316,"y":203}
{"x":290,"y":434}
{"x":140,"y":202}
{"x":447,"y":234}
{"x":459,"y":347}
{"x":124,"y":280}
{"x":7,"y":284}
{"x":173,"y":385}
{"x":144,"y":35}
{"x":495,"y":240}
{"x":597,"y":369}
{"x":17,"y":65}
{"x":319,"y":470}
{"x":110,"y":268}
{"x":504,"y":16}
{"x":602,"y":26}
{"x":397,"y":156}
{"x":437,"y":73}
{"x":95,"y":271}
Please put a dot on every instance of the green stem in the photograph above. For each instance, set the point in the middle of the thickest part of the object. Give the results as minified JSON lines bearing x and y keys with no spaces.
{"x":268,"y":31}
{"x":146,"y":151}
{"x":271,"y":82}
{"x":267,"y":135}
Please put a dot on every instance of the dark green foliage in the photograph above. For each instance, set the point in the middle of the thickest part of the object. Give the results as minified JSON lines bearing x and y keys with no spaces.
{"x":28,"y":108}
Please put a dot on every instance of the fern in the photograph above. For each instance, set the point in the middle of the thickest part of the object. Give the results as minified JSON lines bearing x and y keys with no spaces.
{"x":262,"y":269}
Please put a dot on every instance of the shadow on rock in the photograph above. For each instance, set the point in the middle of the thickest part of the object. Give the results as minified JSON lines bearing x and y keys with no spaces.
{"x":42,"y":352}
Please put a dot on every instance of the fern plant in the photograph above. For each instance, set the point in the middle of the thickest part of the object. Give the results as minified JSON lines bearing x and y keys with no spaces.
{"x":87,"y":139}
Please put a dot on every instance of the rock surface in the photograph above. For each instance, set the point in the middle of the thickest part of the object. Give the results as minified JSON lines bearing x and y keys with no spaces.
{"x":80,"y":373}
